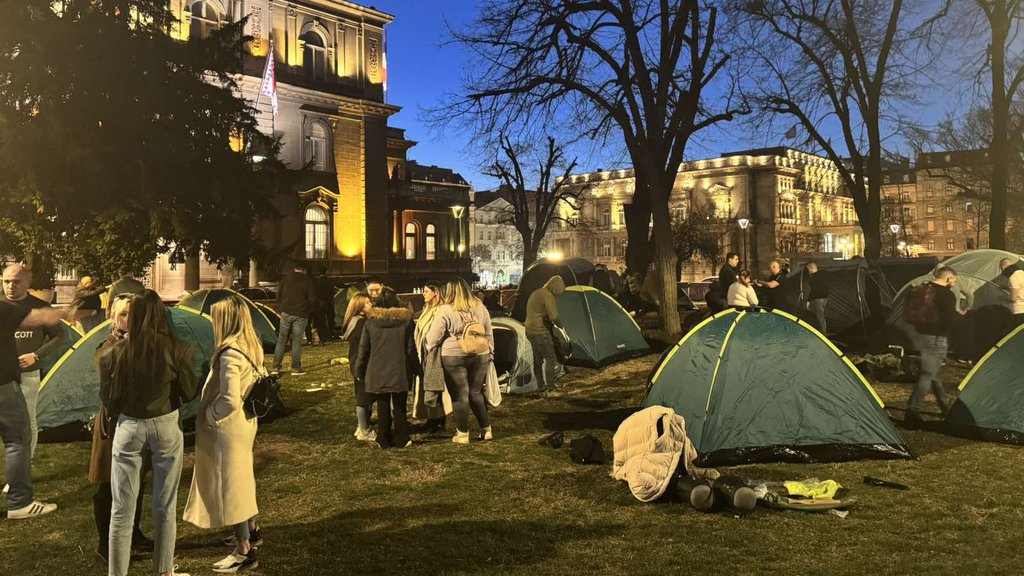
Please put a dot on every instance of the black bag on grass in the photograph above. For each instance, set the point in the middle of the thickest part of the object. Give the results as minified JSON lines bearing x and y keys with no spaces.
{"x":586,"y":450}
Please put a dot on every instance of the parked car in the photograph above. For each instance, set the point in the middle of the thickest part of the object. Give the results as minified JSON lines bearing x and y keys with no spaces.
{"x":258,"y":293}
{"x":698,"y":290}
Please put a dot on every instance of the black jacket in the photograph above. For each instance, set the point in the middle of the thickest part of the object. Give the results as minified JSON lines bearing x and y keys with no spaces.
{"x":726,"y":277}
{"x":945,"y":314}
{"x":296,"y":296}
{"x":174,"y":385}
{"x":353,"y":335}
{"x":387,"y":360}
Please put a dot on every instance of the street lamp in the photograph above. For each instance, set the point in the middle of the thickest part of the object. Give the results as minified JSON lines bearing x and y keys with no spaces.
{"x":744,"y":223}
{"x":457,"y":211}
{"x":895,"y":229}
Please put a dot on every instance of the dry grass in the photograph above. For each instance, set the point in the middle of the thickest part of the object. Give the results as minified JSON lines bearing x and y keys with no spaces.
{"x":331,"y":505}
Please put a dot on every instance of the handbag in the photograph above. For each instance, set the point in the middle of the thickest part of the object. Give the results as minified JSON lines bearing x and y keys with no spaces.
{"x":563,"y":344}
{"x":265,"y":395}
{"x":492,"y":393}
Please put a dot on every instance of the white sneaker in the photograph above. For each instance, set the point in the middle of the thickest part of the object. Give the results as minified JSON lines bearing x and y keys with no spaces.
{"x":34,"y":509}
{"x":369,"y":435}
{"x":7,"y":488}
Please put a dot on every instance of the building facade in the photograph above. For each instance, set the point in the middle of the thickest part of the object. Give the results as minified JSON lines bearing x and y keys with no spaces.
{"x":792,"y":203}
{"x":497,"y":249}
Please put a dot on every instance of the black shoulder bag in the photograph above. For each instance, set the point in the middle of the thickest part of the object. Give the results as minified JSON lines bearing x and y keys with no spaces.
{"x":265,"y":395}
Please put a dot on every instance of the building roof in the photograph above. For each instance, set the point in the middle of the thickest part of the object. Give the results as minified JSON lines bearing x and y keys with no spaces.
{"x":503,"y":192}
{"x":416,"y":171}
{"x":950,"y":158}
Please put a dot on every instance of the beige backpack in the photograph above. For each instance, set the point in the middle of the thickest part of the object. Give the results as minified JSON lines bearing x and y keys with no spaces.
{"x":474,"y":338}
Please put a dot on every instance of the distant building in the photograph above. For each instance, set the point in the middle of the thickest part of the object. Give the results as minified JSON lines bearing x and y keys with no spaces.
{"x":793,"y":201}
{"x":497,"y":246}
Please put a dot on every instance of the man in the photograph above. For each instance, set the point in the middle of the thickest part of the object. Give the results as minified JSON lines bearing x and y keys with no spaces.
{"x":322,"y":312}
{"x":374,"y":288}
{"x":775,"y":279}
{"x":33,"y":344}
{"x":1015,"y":275}
{"x":817,"y":296}
{"x":15,"y":427}
{"x":88,"y":304}
{"x":718,"y":296}
{"x":602,"y":280}
{"x":124,"y":285}
{"x":930,"y":311}
{"x":541,"y":312}
{"x":296,"y":298}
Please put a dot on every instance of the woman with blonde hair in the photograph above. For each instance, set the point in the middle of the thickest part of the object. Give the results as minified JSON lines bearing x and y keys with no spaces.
{"x":223,"y":489}
{"x":355,"y":318}
{"x":465,"y":372}
{"x":433,"y":299}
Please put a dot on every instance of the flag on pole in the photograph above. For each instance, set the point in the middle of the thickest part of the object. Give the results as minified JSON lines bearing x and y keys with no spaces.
{"x":269,"y":85}
{"x":384,"y":62}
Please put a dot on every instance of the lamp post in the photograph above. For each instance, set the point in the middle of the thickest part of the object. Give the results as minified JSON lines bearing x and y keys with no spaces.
{"x":895,"y":229}
{"x":744,"y":223}
{"x":457,"y":211}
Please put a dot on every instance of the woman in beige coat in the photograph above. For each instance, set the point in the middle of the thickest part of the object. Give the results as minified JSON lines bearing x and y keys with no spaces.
{"x":223,"y":489}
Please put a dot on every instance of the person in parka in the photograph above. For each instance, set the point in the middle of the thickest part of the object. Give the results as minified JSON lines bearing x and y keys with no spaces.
{"x":388,"y":364}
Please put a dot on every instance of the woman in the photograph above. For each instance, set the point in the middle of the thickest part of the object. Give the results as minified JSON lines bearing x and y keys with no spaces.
{"x":355,"y":318}
{"x":102,"y":442}
{"x":388,"y":364}
{"x":465,"y":374}
{"x":144,"y":379}
{"x":223,"y":489}
{"x":434,"y":415}
{"x":741,"y":293}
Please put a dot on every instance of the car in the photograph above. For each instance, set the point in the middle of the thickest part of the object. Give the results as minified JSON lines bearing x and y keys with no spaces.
{"x":258,"y":293}
{"x":699,"y":290}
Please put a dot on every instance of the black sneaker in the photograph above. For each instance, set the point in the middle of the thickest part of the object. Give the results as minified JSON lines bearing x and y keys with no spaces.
{"x":236,"y":563}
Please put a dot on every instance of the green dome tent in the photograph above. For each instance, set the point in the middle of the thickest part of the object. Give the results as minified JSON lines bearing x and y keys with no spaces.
{"x":602,"y":333}
{"x":71,"y":335}
{"x":760,"y":386}
{"x":70,"y":392}
{"x":991,"y":401}
{"x":264,"y":320}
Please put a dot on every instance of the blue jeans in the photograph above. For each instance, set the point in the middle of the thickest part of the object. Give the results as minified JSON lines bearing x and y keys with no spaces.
{"x":933,"y":354}
{"x":164,"y":438}
{"x":17,"y":437}
{"x":30,"y":389}
{"x":294,"y":326}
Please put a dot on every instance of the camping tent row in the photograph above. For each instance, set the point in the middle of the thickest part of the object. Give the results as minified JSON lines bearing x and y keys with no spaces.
{"x":762,"y":386}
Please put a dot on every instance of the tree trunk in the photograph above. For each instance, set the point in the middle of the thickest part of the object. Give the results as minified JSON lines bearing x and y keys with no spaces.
{"x":638,"y":247}
{"x":529,"y":257}
{"x":192,"y":269}
{"x":666,"y":264}
{"x":1000,"y":118}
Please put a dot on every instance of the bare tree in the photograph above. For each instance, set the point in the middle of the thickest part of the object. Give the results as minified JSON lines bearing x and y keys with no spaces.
{"x":636,"y":67}
{"x":839,"y":65}
{"x":698,"y":233}
{"x":532,"y":211}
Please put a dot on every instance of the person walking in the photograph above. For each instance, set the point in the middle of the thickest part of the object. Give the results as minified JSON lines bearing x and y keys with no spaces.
{"x":817,"y":297}
{"x":88,"y":304}
{"x":456,"y":330}
{"x":34,"y":344}
{"x":144,"y":379}
{"x":388,"y":364}
{"x":355,"y":319}
{"x":741,"y":294}
{"x":433,"y":371}
{"x":223,"y":491}
{"x":100,"y":454}
{"x":15,"y":429}
{"x":296,"y":298}
{"x":930,"y":312}
{"x":541,"y":313}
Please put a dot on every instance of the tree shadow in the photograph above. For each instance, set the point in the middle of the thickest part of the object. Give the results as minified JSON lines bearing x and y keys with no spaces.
{"x":586,"y":420}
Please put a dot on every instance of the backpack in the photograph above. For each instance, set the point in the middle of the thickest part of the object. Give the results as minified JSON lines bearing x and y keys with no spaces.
{"x":920,"y":309}
{"x":473,"y":340}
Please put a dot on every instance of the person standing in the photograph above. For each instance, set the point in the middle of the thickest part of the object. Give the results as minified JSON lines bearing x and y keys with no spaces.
{"x":717,"y":298}
{"x":124,"y":285}
{"x":1015,"y":278}
{"x":602,"y":280}
{"x":296,"y":298}
{"x":388,"y":364}
{"x":741,"y":293}
{"x":817,"y":297}
{"x":88,"y":303}
{"x":931,"y":312}
{"x":34,"y":344}
{"x":15,"y":429}
{"x":541,"y":314}
{"x":374,"y":288}
{"x":355,"y":319}
{"x":223,"y":491}
{"x":772,"y":285}
{"x":465,"y":372}
{"x":433,"y":298}
{"x":102,"y":444}
{"x":144,"y":380}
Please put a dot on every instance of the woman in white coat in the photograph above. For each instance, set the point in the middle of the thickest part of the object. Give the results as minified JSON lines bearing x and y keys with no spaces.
{"x":223,"y":489}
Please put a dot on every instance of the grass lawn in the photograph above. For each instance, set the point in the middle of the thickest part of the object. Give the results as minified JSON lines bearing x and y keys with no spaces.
{"x":331,"y":505}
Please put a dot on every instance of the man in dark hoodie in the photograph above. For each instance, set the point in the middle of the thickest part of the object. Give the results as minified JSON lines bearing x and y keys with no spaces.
{"x":931,"y":312}
{"x":541,"y":313}
{"x":296,"y":298}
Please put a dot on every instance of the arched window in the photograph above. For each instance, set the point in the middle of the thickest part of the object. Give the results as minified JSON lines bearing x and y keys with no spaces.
{"x":316,"y":145}
{"x":316,"y":233}
{"x":410,"y":241}
{"x":431,"y":242}
{"x":205,"y":19}
{"x":314,"y":55}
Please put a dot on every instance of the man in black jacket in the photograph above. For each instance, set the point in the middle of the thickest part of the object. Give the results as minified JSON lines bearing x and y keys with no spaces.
{"x":295,"y":300}
{"x":931,"y":312}
{"x":718,"y":295}
{"x":817,"y":296}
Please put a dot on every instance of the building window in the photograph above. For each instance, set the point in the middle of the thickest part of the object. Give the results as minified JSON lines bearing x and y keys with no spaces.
{"x":314,"y":55}
{"x":606,"y":218}
{"x":930,"y":209}
{"x":931,"y":225}
{"x":949,"y":226}
{"x":205,"y":20}
{"x":431,"y":242}
{"x":316,"y":233}
{"x":949,"y":208}
{"x":950,"y":244}
{"x":931,"y":244}
{"x":410,"y":241}
{"x":620,"y":215}
{"x":969,"y":243}
{"x":606,"y":248}
{"x":908,"y":214}
{"x":316,"y":146}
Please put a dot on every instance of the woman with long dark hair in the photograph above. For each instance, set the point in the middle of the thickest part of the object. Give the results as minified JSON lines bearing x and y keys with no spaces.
{"x":144,"y":379}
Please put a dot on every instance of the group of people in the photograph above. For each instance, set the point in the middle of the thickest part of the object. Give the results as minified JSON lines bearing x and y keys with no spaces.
{"x":443,"y":356}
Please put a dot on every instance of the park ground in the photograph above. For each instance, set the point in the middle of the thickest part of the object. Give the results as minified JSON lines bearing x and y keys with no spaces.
{"x":331,"y":505}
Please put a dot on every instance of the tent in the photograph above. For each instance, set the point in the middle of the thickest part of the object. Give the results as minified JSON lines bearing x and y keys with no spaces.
{"x":575,"y":272}
{"x":852,"y":285}
{"x":203,"y":300}
{"x":602,"y":332}
{"x":70,"y":392}
{"x":763,"y":386}
{"x":991,"y":401}
{"x":71,"y":335}
{"x":513,"y":356}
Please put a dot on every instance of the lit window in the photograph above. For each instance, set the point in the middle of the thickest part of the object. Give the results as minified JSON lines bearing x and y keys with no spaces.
{"x":931,"y":244}
{"x":930,"y":209}
{"x":205,"y":20}
{"x":410,"y":241}
{"x":431,"y":242}
{"x":316,"y":146}
{"x":316,"y":233}
{"x":606,"y":218}
{"x":950,"y":226}
{"x":314,"y":56}
{"x":950,"y":244}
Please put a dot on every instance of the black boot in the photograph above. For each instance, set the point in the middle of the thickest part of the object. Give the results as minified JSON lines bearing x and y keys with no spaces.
{"x":697,"y":492}
{"x":738,"y":497}
{"x":102,"y":501}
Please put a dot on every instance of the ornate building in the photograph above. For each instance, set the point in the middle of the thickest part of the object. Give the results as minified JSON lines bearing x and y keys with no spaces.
{"x":792,"y":202}
{"x":497,"y":249}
